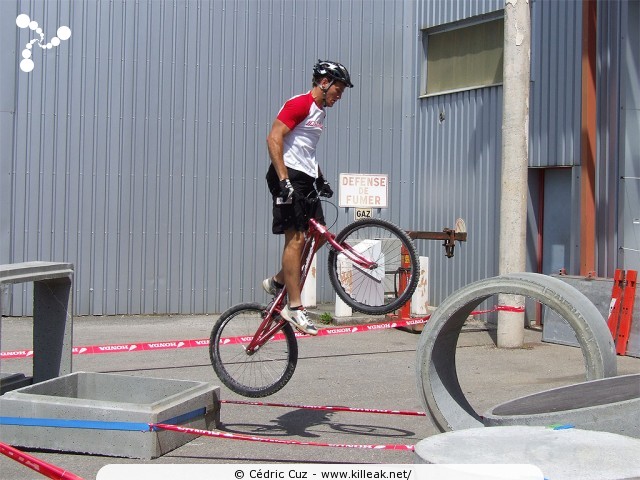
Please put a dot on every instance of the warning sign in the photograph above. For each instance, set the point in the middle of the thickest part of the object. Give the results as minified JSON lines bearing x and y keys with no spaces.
{"x":363,"y":190}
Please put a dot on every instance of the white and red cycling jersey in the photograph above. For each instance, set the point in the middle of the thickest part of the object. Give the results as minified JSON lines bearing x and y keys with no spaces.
{"x":306,"y":121}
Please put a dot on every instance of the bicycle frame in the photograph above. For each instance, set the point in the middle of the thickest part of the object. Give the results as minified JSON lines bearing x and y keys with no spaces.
{"x":272,"y":322}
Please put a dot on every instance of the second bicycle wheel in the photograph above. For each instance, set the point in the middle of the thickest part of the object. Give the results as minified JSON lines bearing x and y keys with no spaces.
{"x":261,"y":373}
{"x":388,"y":286}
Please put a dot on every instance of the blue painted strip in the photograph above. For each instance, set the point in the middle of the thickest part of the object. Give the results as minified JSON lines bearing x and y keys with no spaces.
{"x":561,"y":426}
{"x":185,"y":417}
{"x":96,"y":425}
{"x":61,"y":423}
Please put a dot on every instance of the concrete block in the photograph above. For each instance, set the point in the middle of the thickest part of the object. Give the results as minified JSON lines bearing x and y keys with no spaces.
{"x":52,"y":314}
{"x":556,"y":329}
{"x":598,"y":290}
{"x":309,"y":290}
{"x":608,"y":405}
{"x":420,"y":298}
{"x":342,"y":309}
{"x":565,"y":454}
{"x":107,"y":414}
{"x":11,"y":381}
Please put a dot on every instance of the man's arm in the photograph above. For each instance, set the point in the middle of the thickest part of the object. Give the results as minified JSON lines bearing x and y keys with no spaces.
{"x":322,"y":186}
{"x":275,"y":145}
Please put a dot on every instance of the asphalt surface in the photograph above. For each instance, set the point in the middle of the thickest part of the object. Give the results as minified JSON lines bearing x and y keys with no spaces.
{"x":369,"y":369}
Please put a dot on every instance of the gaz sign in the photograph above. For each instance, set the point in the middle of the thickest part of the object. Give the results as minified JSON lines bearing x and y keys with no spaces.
{"x":363,"y":190}
{"x":362,"y":213}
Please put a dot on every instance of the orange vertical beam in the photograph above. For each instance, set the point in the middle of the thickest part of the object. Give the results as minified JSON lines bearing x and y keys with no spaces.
{"x":588,"y":140}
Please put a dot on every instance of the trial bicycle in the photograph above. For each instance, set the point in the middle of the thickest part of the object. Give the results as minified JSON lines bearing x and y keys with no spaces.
{"x":374,"y":269}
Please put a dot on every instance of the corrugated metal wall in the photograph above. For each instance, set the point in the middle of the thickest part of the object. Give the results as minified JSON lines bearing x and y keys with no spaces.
{"x":136,"y":149}
{"x":458,"y":175}
{"x":609,"y":135}
{"x":438,"y":12}
{"x":457,"y":167}
{"x":556,"y":83}
{"x":139,"y":143}
{"x":629,"y":178}
{"x":555,"y":136}
{"x":458,"y":158}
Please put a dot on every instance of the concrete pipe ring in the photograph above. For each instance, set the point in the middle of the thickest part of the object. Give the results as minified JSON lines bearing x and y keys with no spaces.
{"x":438,"y":385}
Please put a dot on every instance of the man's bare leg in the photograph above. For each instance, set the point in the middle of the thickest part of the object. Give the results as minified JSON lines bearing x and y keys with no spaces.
{"x":289,"y":275}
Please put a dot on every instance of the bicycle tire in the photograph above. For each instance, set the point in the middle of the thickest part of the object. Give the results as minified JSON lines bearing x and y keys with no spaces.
{"x":265,"y":371}
{"x":375,"y":293}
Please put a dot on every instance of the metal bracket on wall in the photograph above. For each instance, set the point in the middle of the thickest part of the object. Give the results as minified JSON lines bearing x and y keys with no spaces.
{"x":449,"y":235}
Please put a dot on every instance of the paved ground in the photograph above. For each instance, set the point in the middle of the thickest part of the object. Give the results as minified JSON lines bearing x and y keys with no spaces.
{"x":375,"y":369}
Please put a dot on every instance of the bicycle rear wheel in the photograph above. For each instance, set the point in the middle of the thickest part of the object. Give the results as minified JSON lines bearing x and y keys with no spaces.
{"x":388,"y":286}
{"x":261,"y":373}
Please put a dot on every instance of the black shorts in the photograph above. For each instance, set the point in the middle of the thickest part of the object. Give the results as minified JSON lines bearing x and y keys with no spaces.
{"x":304,"y":205}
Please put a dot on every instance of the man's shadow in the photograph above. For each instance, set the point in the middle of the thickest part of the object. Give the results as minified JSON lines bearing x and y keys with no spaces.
{"x":298,"y":423}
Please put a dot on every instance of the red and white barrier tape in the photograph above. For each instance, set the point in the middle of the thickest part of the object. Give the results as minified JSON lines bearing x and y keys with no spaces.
{"x":40,"y":466}
{"x":499,"y":308}
{"x":327,"y":407}
{"x":250,"y":438}
{"x":204,"y":342}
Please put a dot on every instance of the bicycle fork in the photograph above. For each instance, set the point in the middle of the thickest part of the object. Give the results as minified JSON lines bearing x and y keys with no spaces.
{"x":271,"y":324}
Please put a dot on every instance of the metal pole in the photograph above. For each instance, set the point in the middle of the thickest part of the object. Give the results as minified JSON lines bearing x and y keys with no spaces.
{"x":515,"y":154}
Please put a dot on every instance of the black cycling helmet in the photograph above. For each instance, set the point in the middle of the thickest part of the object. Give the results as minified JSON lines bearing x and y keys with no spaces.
{"x":333,"y":70}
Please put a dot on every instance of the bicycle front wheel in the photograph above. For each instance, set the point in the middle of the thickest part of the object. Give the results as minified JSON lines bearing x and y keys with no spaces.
{"x":389,"y":285}
{"x":257,"y":374}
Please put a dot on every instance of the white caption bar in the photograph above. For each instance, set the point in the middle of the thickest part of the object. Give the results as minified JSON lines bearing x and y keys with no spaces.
{"x":319,"y":472}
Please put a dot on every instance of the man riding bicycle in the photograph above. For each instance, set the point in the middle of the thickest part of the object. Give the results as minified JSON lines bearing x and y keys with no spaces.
{"x":294,"y":173}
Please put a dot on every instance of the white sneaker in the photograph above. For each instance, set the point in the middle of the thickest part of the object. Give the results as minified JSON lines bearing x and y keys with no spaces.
{"x":269,"y":286}
{"x":299,"y":318}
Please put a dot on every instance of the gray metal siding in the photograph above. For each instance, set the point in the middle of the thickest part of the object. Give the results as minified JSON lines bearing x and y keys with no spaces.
{"x":629,"y":187}
{"x":458,"y":160}
{"x":7,"y":113}
{"x":555,"y":100}
{"x":610,"y":125}
{"x":136,"y":149}
{"x":457,"y":166}
{"x":556,"y":83}
{"x":457,"y":174}
{"x":438,"y":12}
{"x":139,"y":145}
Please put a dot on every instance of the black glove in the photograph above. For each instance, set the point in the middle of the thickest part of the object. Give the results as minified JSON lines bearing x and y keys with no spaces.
{"x":323,"y":188}
{"x":286,"y":190}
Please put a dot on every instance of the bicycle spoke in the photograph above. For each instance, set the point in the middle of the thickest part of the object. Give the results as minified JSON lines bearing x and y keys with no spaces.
{"x":393,"y":278}
{"x":264,"y":371}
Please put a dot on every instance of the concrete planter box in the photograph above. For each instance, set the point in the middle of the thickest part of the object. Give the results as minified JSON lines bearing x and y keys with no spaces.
{"x":107,"y":414}
{"x":608,"y":405}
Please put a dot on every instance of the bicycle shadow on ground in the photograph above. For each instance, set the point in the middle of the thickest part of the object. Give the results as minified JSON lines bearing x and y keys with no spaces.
{"x":300,"y":422}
